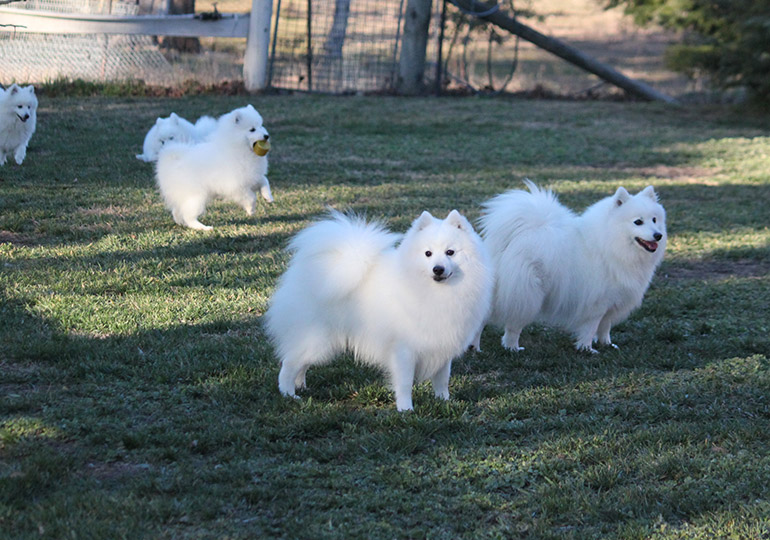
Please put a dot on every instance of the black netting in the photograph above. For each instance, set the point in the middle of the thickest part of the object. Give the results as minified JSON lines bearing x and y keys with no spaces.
{"x":339,"y":46}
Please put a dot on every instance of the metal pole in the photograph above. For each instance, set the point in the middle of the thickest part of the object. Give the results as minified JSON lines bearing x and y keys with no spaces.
{"x":309,"y":46}
{"x":275,"y":38}
{"x":439,"y":62}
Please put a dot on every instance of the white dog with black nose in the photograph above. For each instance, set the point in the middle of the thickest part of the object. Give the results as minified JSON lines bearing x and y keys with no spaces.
{"x":18,"y":120}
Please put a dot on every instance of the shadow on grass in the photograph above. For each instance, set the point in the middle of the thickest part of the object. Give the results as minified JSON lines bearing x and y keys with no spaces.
{"x":191,"y":414}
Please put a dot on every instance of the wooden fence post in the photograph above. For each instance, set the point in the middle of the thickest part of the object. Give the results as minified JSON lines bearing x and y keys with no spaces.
{"x":256,"y":57}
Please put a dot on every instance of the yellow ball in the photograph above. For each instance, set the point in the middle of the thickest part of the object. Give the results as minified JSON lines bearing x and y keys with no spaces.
{"x":261,"y":148}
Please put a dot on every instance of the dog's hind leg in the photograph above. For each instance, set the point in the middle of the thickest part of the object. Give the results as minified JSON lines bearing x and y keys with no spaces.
{"x":585,"y":336}
{"x":511,"y":338}
{"x":441,"y":381}
{"x":291,"y":370}
{"x":189,"y":212}
{"x":603,"y":332}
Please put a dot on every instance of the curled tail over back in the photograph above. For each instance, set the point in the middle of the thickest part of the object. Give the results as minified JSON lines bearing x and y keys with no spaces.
{"x":336,"y":253}
{"x":517,"y":212}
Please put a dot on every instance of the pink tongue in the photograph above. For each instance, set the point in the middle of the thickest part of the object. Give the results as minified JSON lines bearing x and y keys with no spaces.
{"x":652,"y":245}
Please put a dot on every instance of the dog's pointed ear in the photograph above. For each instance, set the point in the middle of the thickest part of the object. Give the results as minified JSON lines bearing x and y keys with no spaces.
{"x":13,"y":89}
{"x":621,"y":196}
{"x":174,"y":117}
{"x":456,"y":219}
{"x":158,"y":121}
{"x":423,"y":221}
{"x":237,"y":118}
{"x":649,"y":191}
{"x":30,"y":89}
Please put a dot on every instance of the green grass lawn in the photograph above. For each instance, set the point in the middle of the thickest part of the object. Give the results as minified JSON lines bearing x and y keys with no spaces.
{"x":138,"y":394}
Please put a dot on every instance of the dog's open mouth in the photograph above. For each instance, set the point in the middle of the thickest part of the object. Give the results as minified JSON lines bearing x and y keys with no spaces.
{"x":649,"y":246}
{"x":441,"y":278}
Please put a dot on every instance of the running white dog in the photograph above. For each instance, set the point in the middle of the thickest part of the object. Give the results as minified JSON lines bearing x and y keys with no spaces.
{"x":18,"y":120}
{"x":409,"y":309}
{"x":176,"y":129}
{"x":581,"y":273}
{"x":224,"y":165}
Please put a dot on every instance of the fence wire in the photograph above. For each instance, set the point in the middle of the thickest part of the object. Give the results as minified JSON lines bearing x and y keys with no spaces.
{"x":327,"y":46}
{"x":41,"y":57}
{"x":339,"y":46}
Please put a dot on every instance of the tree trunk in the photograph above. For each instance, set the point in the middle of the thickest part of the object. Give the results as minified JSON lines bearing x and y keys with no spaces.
{"x":411,"y":64}
{"x":175,"y":7}
{"x":330,"y":67}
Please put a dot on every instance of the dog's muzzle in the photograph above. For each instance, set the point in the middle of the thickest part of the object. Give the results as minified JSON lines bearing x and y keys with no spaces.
{"x":440,"y":274}
{"x":23,"y":118}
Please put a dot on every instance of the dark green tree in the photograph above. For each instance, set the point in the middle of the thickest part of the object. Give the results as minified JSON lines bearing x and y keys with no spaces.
{"x":728,"y":39}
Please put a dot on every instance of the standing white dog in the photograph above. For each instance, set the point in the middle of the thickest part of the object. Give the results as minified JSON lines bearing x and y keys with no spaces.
{"x":224,"y":165}
{"x":581,"y":273}
{"x":174,"y":129}
{"x":18,"y":120}
{"x":409,"y":309}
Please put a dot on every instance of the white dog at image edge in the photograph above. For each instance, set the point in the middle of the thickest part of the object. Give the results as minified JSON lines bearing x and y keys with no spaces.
{"x":583,"y":273}
{"x":18,"y":120}
{"x":409,"y":308}
{"x":189,"y":176}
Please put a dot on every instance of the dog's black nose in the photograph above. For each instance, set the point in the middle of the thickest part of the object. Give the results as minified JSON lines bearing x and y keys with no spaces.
{"x":438,"y":270}
{"x":657,"y":236}
{"x":267,"y":136}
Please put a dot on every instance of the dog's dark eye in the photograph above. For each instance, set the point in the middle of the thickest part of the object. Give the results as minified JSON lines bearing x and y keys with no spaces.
{"x":638,"y":222}
{"x":654,"y":220}
{"x":428,"y":253}
{"x":252,"y":130}
{"x":449,"y":252}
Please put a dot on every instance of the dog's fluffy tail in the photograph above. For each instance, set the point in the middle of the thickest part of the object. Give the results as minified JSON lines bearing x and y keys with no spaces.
{"x":336,"y":253}
{"x":517,"y":212}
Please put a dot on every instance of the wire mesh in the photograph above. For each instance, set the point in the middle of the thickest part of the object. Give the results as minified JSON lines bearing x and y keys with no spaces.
{"x":40,"y":57}
{"x":339,"y":46}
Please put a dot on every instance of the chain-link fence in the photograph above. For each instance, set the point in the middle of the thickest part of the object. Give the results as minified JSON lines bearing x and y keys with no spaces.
{"x":339,"y":46}
{"x":41,"y":57}
{"x":331,"y":46}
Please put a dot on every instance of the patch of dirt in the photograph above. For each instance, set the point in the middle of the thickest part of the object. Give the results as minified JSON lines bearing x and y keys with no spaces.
{"x":116,"y":469}
{"x":101,"y":211}
{"x":17,"y":239}
{"x":695,"y":175}
{"x":717,"y":270}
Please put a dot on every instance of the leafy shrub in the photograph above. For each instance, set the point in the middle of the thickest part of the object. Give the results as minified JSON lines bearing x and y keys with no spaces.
{"x":728,"y":39}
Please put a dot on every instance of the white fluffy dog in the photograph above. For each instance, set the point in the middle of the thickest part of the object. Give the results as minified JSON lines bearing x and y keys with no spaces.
{"x":18,"y":120}
{"x":176,"y":129}
{"x":583,"y":273}
{"x":409,"y":309}
{"x":224,"y":165}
